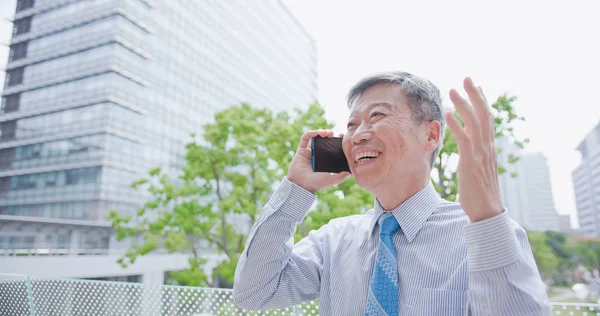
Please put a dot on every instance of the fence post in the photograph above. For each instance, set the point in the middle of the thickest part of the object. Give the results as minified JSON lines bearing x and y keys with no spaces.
{"x":30,"y":297}
{"x":294,"y":310}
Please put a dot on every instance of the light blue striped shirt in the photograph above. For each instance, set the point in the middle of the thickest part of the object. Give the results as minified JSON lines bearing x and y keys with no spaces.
{"x":446,"y":264}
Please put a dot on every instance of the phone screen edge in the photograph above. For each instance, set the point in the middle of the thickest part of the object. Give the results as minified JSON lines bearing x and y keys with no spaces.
{"x":312,"y":152}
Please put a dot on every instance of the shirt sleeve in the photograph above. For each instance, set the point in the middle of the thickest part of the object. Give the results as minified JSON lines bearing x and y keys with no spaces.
{"x":272,"y":272}
{"x":503,"y":276}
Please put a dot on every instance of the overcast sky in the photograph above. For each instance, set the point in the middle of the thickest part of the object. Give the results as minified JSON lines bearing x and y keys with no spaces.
{"x":545,"y":52}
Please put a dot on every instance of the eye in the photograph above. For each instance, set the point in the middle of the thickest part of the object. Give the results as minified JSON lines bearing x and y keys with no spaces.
{"x":350,"y":125}
{"x":377,"y":114}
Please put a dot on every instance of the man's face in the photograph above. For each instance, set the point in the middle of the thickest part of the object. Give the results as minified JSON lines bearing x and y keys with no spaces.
{"x":382,"y":143}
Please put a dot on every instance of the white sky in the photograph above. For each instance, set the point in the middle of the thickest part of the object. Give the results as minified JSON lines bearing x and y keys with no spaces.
{"x":545,"y":52}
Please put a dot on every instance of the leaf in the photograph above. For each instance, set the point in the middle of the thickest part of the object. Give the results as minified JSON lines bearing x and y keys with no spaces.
{"x":231,"y":170}
{"x":505,"y":117}
{"x":154,"y":172}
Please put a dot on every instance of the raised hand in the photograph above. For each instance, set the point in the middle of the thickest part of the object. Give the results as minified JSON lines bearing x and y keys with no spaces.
{"x":478,"y":188}
{"x":301,"y":172}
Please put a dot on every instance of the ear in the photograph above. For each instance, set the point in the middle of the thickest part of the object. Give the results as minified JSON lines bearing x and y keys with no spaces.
{"x":434,"y":132}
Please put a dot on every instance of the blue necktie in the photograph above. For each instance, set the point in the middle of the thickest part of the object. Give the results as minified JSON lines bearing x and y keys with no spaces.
{"x":383,"y":289}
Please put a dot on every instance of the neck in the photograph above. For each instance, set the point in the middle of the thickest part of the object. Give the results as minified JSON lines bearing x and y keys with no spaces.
{"x":400,"y":189}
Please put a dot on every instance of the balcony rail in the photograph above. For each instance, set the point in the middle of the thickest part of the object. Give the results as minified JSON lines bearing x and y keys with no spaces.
{"x":30,"y":295}
{"x":74,"y":252}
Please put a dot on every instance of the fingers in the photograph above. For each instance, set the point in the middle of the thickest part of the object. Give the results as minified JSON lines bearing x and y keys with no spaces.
{"x":325,"y":133}
{"x":483,"y":94}
{"x":481,"y":108}
{"x":305,"y":139}
{"x":468,"y":115}
{"x":463,"y":140}
{"x":492,"y":127}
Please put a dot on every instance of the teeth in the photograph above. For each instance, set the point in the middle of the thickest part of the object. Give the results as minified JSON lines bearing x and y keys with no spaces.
{"x":372,"y":154}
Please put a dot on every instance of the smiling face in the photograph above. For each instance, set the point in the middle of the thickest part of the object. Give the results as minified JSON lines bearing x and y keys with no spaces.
{"x":383,"y":144}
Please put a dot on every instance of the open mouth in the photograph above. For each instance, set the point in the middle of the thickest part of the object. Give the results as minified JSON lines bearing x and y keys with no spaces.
{"x":365,"y":157}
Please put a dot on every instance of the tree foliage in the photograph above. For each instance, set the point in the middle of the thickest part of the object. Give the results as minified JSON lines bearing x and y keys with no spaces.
{"x":229,"y":175}
{"x":505,"y":116}
{"x":546,"y":259}
{"x":231,"y":171}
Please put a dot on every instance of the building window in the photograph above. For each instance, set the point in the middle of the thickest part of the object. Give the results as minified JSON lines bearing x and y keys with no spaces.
{"x":14,"y":76}
{"x":4,"y":185}
{"x":22,"y":26}
{"x":56,"y":179}
{"x":18,"y":51}
{"x":6,"y":157}
{"x":82,"y":176}
{"x":50,"y":179}
{"x":10,"y":103}
{"x":7,"y":129}
{"x":24,"y":4}
{"x":28,"y":242}
{"x":62,"y":241}
{"x":17,"y":242}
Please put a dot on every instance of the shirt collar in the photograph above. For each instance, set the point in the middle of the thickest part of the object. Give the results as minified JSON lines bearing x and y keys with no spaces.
{"x":412,"y":213}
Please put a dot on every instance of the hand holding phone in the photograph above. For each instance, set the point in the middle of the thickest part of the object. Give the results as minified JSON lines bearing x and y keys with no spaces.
{"x":301,"y":171}
{"x":327,"y":155}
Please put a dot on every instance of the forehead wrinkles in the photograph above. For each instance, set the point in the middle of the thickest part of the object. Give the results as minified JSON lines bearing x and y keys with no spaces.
{"x":369,"y":105}
{"x":394,"y":108}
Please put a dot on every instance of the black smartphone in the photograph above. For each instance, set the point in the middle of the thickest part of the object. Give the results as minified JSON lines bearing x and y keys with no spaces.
{"x":327,"y":155}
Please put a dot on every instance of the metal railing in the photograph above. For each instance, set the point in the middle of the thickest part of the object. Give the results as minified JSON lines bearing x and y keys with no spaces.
{"x":40,"y":252}
{"x":29,"y":295}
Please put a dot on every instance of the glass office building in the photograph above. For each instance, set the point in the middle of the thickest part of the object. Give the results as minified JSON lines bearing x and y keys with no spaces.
{"x":97,"y":92}
{"x":586,"y":184}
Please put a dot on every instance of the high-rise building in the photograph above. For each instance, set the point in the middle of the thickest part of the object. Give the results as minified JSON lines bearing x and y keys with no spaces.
{"x":528,"y":196}
{"x":97,"y":92}
{"x":586,"y":184}
{"x":564,"y":225}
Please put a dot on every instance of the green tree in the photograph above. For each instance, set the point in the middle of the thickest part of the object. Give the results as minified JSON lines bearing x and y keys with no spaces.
{"x":547,"y":261}
{"x":505,"y":117}
{"x":558,"y":242}
{"x":585,"y":251}
{"x":227,"y":179}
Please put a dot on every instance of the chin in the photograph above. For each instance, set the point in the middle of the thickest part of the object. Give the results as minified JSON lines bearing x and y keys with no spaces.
{"x":365,"y":181}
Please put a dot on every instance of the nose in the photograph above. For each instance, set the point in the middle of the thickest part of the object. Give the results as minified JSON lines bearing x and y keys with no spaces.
{"x":362,"y":134}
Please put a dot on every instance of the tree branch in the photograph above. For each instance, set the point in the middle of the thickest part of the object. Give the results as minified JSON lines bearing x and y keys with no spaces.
{"x":212,"y":240}
{"x":224,"y":241}
{"x":193,"y":246}
{"x":441,"y":178}
{"x":254,"y":188}
{"x":217,"y":179}
{"x":240,"y":244}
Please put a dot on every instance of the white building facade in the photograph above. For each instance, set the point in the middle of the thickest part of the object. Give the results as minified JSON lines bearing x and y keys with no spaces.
{"x":586,"y":184}
{"x":97,"y":92}
{"x":528,"y":196}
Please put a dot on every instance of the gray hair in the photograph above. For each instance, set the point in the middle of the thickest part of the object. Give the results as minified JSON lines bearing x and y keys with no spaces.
{"x":423,"y":98}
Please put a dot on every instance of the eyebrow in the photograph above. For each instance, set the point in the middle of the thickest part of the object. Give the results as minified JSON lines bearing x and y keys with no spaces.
{"x":387,"y":105}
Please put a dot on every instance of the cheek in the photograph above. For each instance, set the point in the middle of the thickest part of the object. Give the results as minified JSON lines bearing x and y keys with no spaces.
{"x":396,"y":145}
{"x":399,"y":147}
{"x":392,"y":137}
{"x":346,"y":145}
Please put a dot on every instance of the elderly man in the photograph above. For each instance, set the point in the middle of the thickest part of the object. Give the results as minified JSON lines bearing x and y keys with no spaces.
{"x":413,"y":253}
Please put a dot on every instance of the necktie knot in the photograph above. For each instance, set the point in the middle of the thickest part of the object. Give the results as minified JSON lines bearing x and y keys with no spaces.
{"x":388,"y":224}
